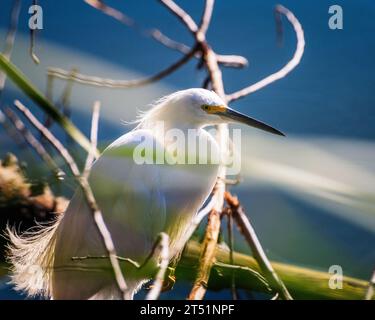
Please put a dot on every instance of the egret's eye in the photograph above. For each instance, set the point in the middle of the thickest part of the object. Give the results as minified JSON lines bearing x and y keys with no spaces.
{"x":213,"y":109}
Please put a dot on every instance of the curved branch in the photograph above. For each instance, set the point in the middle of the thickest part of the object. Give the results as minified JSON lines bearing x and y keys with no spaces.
{"x":119,"y":84}
{"x":283,"y":71}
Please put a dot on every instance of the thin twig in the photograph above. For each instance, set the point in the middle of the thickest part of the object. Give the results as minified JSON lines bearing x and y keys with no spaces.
{"x":120,"y":84}
{"x":88,"y":194}
{"x":50,"y":137}
{"x":206,"y":19}
{"x":65,"y":97}
{"x":88,"y":257}
{"x":283,"y":71}
{"x":156,"y":34}
{"x":371,"y":288}
{"x":249,"y":233}
{"x":49,"y":95}
{"x":233,"y":61}
{"x":163,"y":248}
{"x":93,"y":138}
{"x":33,"y":142}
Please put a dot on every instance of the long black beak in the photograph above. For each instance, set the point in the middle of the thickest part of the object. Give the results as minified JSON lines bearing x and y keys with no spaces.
{"x":242,"y":118}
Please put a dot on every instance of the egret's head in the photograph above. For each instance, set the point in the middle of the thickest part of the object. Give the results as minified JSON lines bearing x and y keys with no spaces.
{"x":205,"y":107}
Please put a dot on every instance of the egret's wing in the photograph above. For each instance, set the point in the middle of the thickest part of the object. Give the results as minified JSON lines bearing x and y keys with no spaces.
{"x":134,"y":210}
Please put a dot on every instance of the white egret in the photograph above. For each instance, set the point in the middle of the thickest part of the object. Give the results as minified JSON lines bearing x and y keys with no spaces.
{"x":138,"y":202}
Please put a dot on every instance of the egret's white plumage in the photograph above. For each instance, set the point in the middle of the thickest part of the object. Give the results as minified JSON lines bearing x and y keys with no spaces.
{"x":138,"y":202}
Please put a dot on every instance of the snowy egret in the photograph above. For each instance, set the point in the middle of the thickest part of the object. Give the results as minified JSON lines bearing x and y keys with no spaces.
{"x":138,"y":202}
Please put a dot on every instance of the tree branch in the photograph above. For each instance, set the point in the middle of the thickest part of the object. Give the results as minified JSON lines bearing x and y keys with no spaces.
{"x":163,"y":248}
{"x":207,"y":256}
{"x":206,"y":19}
{"x":283,"y":71}
{"x":233,"y":61}
{"x":50,"y":137}
{"x":33,"y":142}
{"x":260,"y":256}
{"x":180,"y":13}
{"x":93,"y":138}
{"x":120,"y":84}
{"x":304,"y":283}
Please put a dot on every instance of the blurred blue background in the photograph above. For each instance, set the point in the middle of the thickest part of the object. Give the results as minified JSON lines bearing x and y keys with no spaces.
{"x":327,"y":102}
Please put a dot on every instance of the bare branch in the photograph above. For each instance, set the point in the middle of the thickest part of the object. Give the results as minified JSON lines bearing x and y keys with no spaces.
{"x":200,"y":216}
{"x":156,"y":34}
{"x":233,"y":61}
{"x":105,"y":234}
{"x":119,"y":84}
{"x":119,"y":16}
{"x":207,"y":257}
{"x":163,"y":248}
{"x":50,"y":137}
{"x":93,"y":138}
{"x":283,"y":71}
{"x":206,"y":19}
{"x":128,"y":260}
{"x":249,"y":233}
{"x":33,"y":142}
{"x":87,"y":192}
{"x":180,"y":14}
{"x":65,"y":97}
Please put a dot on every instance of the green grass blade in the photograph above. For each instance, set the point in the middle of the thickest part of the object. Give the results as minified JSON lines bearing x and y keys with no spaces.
{"x":33,"y":93}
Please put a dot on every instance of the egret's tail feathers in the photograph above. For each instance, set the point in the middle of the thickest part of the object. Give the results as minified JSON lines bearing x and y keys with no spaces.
{"x":31,"y":257}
